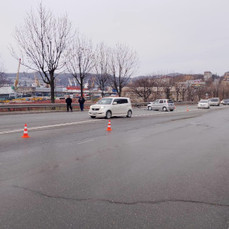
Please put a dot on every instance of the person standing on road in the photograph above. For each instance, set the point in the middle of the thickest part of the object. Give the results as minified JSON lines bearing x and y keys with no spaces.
{"x":81,"y":102}
{"x":69,"y":103}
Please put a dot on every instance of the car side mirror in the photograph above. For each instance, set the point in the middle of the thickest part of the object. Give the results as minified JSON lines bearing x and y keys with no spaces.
{"x":114,"y":103}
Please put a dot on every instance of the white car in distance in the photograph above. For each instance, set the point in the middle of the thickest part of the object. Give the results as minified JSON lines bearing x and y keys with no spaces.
{"x":203,"y":103}
{"x":111,"y":106}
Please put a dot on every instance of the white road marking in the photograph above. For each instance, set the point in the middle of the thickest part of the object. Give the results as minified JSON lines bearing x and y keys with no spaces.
{"x":86,"y":121}
{"x":50,"y":126}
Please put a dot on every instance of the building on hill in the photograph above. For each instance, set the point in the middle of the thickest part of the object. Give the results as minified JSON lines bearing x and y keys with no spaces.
{"x":226,"y":76}
{"x":207,"y":75}
{"x":195,"y":83}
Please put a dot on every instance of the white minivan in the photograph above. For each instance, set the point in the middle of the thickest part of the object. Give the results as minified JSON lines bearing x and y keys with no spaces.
{"x":111,"y":106}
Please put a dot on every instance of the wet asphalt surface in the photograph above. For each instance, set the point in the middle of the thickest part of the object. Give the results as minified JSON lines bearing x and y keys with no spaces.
{"x":155,"y":170}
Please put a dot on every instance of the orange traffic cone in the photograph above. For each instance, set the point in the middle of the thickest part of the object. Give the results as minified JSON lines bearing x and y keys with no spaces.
{"x":109,"y":126}
{"x":25,"y":135}
{"x":187,"y":109}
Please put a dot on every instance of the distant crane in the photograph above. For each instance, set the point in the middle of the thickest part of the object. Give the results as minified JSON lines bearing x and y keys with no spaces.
{"x":17,"y":76}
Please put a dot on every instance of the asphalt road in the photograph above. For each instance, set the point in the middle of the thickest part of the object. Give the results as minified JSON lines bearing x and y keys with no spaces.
{"x":156,"y":170}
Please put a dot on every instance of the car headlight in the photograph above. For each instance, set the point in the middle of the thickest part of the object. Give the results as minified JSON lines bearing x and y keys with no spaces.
{"x":102,"y":107}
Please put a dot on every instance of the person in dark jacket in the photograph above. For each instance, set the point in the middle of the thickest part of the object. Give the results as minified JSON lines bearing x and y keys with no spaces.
{"x":69,"y":103}
{"x":81,"y":102}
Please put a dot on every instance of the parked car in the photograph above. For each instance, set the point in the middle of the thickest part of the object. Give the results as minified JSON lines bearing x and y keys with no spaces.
{"x":225,"y":102}
{"x":214,"y":101}
{"x":203,"y":103}
{"x":161,"y":105}
{"x":60,"y":98}
{"x":111,"y":106}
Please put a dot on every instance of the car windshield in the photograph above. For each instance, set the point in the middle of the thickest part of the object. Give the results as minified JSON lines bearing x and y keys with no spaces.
{"x":214,"y":100}
{"x":203,"y":101}
{"x":170,"y":101}
{"x":105,"y":101}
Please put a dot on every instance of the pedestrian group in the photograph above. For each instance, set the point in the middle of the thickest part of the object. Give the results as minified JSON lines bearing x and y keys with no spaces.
{"x":81,"y":101}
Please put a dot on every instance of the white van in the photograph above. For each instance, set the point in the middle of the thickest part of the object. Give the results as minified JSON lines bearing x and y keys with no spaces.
{"x":111,"y":106}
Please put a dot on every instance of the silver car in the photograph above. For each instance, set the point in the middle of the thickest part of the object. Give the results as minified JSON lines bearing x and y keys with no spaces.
{"x":161,"y":105}
{"x":225,"y":102}
{"x":214,"y":102}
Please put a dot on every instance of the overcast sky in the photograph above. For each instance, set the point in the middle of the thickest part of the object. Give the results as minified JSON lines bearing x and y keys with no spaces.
{"x":186,"y":36}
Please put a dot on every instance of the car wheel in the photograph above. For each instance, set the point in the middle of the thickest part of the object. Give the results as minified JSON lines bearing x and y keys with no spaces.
{"x":129,"y":114}
{"x":171,"y":110}
{"x":149,"y":108}
{"x":92,"y":116}
{"x":108,"y":115}
{"x":164,"y":109}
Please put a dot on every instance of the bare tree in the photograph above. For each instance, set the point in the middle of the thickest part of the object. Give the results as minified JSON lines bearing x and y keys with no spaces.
{"x":42,"y":42}
{"x":216,"y":87}
{"x":102,"y":78}
{"x":142,"y":87}
{"x":183,"y":92}
{"x":190,"y":93}
{"x":2,"y":78}
{"x":122,"y":64}
{"x":157,"y":92}
{"x":200,"y":92}
{"x":80,"y":59}
{"x":178,"y":89}
{"x":167,"y":84}
{"x":224,"y":88}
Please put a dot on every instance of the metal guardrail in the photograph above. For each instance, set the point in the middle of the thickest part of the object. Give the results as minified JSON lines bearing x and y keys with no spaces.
{"x":35,"y":107}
